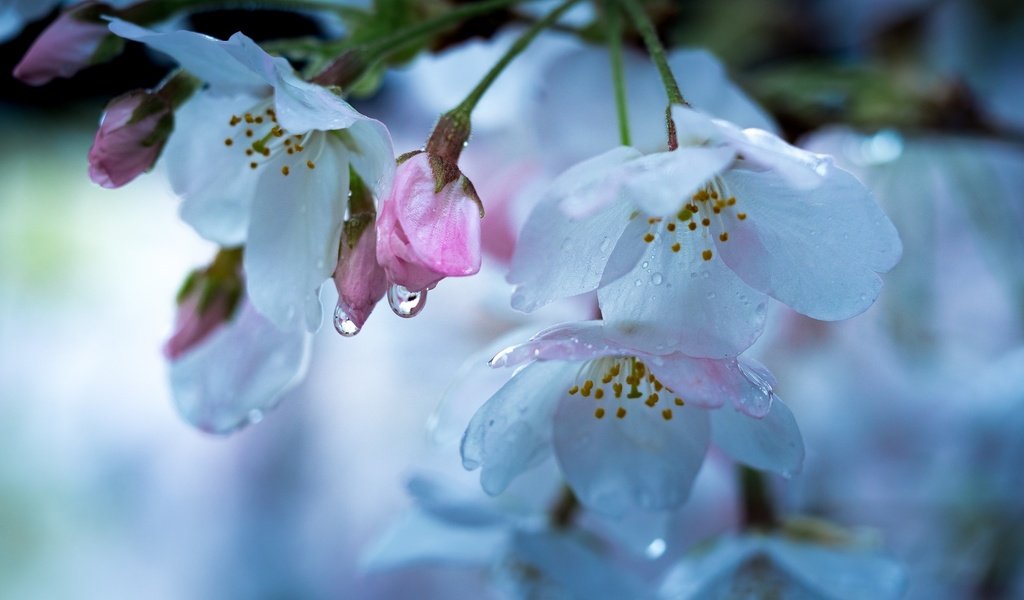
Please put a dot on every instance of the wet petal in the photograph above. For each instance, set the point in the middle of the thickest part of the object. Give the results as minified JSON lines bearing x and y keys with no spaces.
{"x":588,"y":187}
{"x":557,"y":257}
{"x":419,"y":538}
{"x":371,"y":154}
{"x":512,"y":431}
{"x":818,"y":251}
{"x":566,"y":342}
{"x":295,"y":231}
{"x":238,"y":373}
{"x":677,"y":301}
{"x":638,"y":460}
{"x":773,"y":443}
{"x":214,"y":180}
{"x":659,"y":184}
{"x":205,"y":57}
{"x":840,"y":574}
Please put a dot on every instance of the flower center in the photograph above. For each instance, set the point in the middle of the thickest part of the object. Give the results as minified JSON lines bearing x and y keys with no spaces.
{"x":619,"y":384}
{"x":259,"y":138}
{"x":710,"y":204}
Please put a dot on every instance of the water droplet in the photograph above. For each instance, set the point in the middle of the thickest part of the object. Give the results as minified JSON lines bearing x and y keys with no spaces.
{"x":645,"y":264}
{"x":343,"y":324}
{"x":638,"y":283}
{"x":255,"y":416}
{"x":406,"y":303}
{"x":606,"y":245}
{"x":657,"y":278}
{"x":705,"y":274}
{"x":655,"y":549}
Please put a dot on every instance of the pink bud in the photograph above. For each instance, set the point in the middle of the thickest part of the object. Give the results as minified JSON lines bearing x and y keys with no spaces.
{"x":131,"y":135}
{"x":360,"y":279}
{"x":64,"y":48}
{"x":424,"y":235}
{"x":194,"y":324}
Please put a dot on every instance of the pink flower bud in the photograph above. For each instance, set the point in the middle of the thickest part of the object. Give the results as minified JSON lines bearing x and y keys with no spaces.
{"x":193,"y":325}
{"x":130,"y":138}
{"x":360,"y":279}
{"x":72,"y":42}
{"x":429,"y":225}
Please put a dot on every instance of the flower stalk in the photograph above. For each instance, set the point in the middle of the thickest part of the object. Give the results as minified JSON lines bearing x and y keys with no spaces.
{"x":758,"y":510}
{"x":613,"y":28}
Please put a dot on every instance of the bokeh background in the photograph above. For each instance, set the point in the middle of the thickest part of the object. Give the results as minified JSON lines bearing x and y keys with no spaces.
{"x":911,"y":412}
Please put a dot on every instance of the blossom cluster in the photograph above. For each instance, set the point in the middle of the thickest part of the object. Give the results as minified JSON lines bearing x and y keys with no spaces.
{"x":677,"y":242}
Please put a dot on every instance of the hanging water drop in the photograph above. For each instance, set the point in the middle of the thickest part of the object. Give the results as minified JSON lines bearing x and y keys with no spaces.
{"x":406,"y":303}
{"x":657,"y":278}
{"x":344,"y":324}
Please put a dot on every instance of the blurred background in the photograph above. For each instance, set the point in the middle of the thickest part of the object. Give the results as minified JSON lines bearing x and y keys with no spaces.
{"x":911,"y":412}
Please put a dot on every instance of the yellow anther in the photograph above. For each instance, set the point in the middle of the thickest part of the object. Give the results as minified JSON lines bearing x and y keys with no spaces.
{"x":667,"y":414}
{"x":248,"y":133}
{"x":284,"y":170}
{"x":234,"y":120}
{"x":291,"y":151}
{"x":617,"y":388}
{"x":724,"y":236}
{"x":288,"y":142}
{"x":651,"y":400}
{"x":598,"y":394}
{"x":707,"y":254}
{"x":685,"y":214}
{"x":671,"y":227}
{"x":599,"y":413}
{"x":252,"y":165}
{"x":705,"y":221}
{"x":649,"y":238}
{"x":716,"y":210}
{"x":676,"y":247}
{"x":731,"y":201}
{"x":248,"y":117}
{"x":248,"y":151}
{"x":310,"y":164}
{"x":657,"y":385}
{"x":679,"y":402}
{"x":258,"y":119}
{"x":573,"y":390}
{"x":228,"y":141}
{"x":714,"y":194}
{"x":621,"y":413}
{"x":741,"y":216}
{"x":692,"y":226}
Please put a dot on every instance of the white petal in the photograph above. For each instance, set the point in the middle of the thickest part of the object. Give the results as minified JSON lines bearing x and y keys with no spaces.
{"x":710,"y":383}
{"x":588,"y":187}
{"x":838,"y":574}
{"x":371,"y":154}
{"x":817,"y":251}
{"x":418,"y":538}
{"x":708,"y":573}
{"x":639,"y":461}
{"x":773,"y":442}
{"x":677,"y":301}
{"x":214,"y":180}
{"x":661,"y":183}
{"x":203,"y":56}
{"x":448,"y":502}
{"x":295,"y":231}
{"x":512,"y":431}
{"x":557,"y":257}
{"x":577,"y":567}
{"x":238,"y":373}
{"x":567,"y":342}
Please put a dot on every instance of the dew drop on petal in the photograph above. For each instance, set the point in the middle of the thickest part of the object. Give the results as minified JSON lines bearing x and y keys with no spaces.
{"x":606,"y":245}
{"x":255,"y":416}
{"x":645,"y":265}
{"x":657,"y":278}
{"x":343,"y":324}
{"x":638,"y":283}
{"x":406,"y":303}
{"x":655,"y":549}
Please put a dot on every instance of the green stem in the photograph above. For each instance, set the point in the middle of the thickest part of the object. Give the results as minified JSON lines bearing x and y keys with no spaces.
{"x":564,"y":510}
{"x":758,"y":511}
{"x":655,"y":49}
{"x":614,"y":31}
{"x":466,"y":107}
